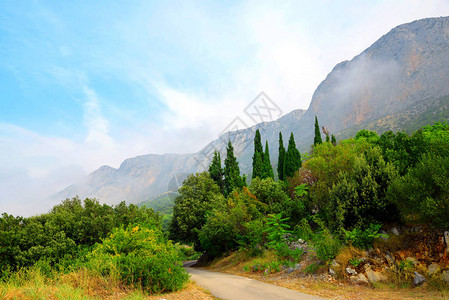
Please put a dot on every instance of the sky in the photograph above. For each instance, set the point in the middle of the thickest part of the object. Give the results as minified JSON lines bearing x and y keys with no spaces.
{"x":91,"y":83}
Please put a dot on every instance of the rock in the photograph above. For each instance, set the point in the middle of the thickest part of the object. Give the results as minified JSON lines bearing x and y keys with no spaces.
{"x":433,"y":269}
{"x":412,"y":260}
{"x":335,"y":264}
{"x":390,"y":259}
{"x":445,"y":276}
{"x":419,"y":279}
{"x":351,"y":271}
{"x":289,"y":270}
{"x":362,"y":278}
{"x":332,"y":272}
{"x":394,"y":231}
{"x":374,"y":276}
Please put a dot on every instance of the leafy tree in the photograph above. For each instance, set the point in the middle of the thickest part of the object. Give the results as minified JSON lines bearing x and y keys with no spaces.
{"x":231,"y":224}
{"x":232,"y":178}
{"x":370,"y":136}
{"x":321,"y":171}
{"x":196,"y":197}
{"x":258,"y":157}
{"x":292,"y":161}
{"x":402,"y":150}
{"x":317,"y":139}
{"x":267,"y":168}
{"x":423,"y":193}
{"x":281,"y":158}
{"x":359,"y":196}
{"x":216,"y":171}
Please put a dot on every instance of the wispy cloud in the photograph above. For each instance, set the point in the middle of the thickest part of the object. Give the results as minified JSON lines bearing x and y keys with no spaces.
{"x":148,"y":78}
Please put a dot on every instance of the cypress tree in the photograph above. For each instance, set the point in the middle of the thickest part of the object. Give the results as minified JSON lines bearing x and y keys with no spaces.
{"x":232,"y":178}
{"x":292,"y":158}
{"x":333,"y":140}
{"x":317,"y":139}
{"x":216,"y":171}
{"x":327,"y":138}
{"x":258,"y":156}
{"x":267,"y":168}
{"x":281,"y":158}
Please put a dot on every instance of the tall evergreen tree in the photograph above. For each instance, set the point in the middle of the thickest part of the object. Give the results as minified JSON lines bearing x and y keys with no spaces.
{"x":258,"y":156}
{"x":267,"y":168}
{"x":281,"y":158}
{"x":317,"y":139}
{"x":216,"y":171}
{"x":232,"y":178}
{"x":333,"y":140}
{"x":292,"y":161}
{"x":327,"y":138}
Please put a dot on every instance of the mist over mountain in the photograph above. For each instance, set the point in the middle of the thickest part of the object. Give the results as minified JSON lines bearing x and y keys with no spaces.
{"x":399,"y":82}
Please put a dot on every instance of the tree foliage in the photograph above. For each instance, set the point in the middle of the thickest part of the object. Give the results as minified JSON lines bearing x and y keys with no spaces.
{"x":60,"y":234}
{"x":140,"y":256}
{"x":317,"y":139}
{"x":281,"y":158}
{"x":216,"y":171}
{"x":232,"y":178}
{"x":196,"y":197}
{"x":258,"y":157}
{"x":267,"y":167}
{"x":292,"y":160}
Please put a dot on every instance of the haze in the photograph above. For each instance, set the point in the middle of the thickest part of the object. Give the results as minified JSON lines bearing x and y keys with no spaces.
{"x":86,"y":84}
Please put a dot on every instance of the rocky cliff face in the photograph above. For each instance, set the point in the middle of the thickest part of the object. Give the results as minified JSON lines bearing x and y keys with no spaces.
{"x":403,"y":72}
{"x":407,"y":65}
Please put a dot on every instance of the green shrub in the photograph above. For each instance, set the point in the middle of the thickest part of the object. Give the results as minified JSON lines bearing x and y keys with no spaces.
{"x":277,"y":230}
{"x":424,"y":191}
{"x":139,"y":256}
{"x":363,"y":239}
{"x":355,"y":262}
{"x":359,"y":196}
{"x":325,"y":244}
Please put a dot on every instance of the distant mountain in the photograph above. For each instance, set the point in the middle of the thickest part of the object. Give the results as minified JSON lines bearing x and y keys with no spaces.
{"x":401,"y":82}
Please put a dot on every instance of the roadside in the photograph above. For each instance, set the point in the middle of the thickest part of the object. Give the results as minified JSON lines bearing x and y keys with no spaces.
{"x":324,"y":285}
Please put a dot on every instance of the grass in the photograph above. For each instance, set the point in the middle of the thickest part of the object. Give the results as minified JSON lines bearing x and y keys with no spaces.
{"x":82,"y":284}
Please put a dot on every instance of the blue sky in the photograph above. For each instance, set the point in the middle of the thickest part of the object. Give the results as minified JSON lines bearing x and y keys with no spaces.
{"x":89,"y":83}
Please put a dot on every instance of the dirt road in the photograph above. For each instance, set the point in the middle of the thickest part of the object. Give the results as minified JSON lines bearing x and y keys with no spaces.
{"x":230,"y":287}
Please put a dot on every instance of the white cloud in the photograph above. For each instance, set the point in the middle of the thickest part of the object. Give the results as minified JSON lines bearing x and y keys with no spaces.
{"x":226,"y":57}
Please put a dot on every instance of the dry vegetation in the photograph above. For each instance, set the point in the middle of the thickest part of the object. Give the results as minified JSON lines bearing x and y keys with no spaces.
{"x":32,"y":284}
{"x":321,"y":284}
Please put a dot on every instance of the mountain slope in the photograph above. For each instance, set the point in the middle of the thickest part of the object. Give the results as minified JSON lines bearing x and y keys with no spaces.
{"x":399,"y":82}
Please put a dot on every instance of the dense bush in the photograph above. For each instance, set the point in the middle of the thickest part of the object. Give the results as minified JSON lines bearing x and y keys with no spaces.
{"x":358,"y":198}
{"x":231,"y":224}
{"x":325,"y":244}
{"x":139,"y":256}
{"x":321,"y":171}
{"x":423,"y":193}
{"x":65,"y":232}
{"x":363,"y":239}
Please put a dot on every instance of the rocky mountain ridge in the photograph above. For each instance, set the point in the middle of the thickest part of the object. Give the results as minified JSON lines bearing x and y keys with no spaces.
{"x":402,"y":77}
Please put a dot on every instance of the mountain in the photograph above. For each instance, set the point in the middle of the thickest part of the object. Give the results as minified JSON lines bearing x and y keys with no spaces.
{"x":398,"y":83}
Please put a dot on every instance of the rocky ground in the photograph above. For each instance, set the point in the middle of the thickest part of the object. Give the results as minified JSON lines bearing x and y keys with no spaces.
{"x":412,"y":262}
